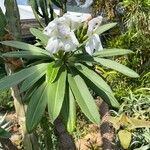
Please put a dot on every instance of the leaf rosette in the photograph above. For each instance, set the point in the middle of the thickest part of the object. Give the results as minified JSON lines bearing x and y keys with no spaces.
{"x":62,"y":72}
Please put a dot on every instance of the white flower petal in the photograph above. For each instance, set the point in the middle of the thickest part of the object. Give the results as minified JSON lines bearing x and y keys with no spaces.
{"x":53,"y":45}
{"x":75,"y":20}
{"x":70,"y":42}
{"x":94,"y":43}
{"x":89,"y":49}
{"x":51,"y":29}
{"x":94,"y":24}
{"x":61,"y":35}
{"x":74,"y":39}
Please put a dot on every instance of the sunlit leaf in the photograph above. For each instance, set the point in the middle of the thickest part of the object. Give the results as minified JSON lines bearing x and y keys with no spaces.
{"x":25,"y":54}
{"x":98,"y":84}
{"x":125,"y":138}
{"x":56,"y":96}
{"x":111,"y":52}
{"x":24,"y":46}
{"x":39,"y":35}
{"x":52,"y":72}
{"x":17,"y":77}
{"x":139,"y":123}
{"x":101,"y":29}
{"x":116,"y":66}
{"x":36,"y":107}
{"x":84,"y":98}
{"x":33,"y":78}
{"x":68,"y":111}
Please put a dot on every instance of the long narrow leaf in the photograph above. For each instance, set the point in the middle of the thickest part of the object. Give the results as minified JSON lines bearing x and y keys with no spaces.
{"x":111,"y":52}
{"x":17,"y":77}
{"x":104,"y":28}
{"x":24,"y":46}
{"x":84,"y":98}
{"x":116,"y":66}
{"x":25,"y":54}
{"x":56,"y":96}
{"x":68,"y":111}
{"x":36,"y":107}
{"x":39,"y":34}
{"x":52,"y":72}
{"x":107,"y":97}
{"x":101,"y":87}
{"x":4,"y":133}
{"x":33,"y":78}
{"x":94,"y":77}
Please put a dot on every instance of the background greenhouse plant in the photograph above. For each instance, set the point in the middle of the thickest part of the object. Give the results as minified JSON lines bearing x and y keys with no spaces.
{"x":133,"y":119}
{"x":4,"y":127}
{"x":61,"y":79}
{"x":44,"y":9}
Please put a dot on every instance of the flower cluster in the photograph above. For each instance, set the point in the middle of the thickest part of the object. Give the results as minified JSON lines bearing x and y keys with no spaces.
{"x":62,"y":37}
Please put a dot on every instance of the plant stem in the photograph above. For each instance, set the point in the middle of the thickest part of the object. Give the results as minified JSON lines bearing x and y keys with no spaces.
{"x":106,"y":131}
{"x":66,"y":140}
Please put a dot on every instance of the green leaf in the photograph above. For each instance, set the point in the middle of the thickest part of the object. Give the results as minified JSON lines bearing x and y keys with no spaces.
{"x":3,"y":23}
{"x":72,"y":113}
{"x":81,"y":58}
{"x":111,"y":52}
{"x":56,"y":96}
{"x":36,"y":107}
{"x":52,"y":72}
{"x":98,"y":84}
{"x":24,"y":46}
{"x":94,"y":77}
{"x":84,"y":98}
{"x":101,"y":29}
{"x":68,"y":111}
{"x":107,"y":97}
{"x":25,"y":54}
{"x":125,"y":138}
{"x":17,"y":77}
{"x":39,"y":35}
{"x":4,"y":133}
{"x":33,"y":78}
{"x":116,"y":66}
{"x":58,"y":3}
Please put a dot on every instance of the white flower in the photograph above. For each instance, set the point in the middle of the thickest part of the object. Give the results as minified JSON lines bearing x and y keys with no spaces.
{"x":54,"y":45}
{"x":70,"y":42}
{"x":94,"y":24}
{"x":74,"y":20}
{"x":94,"y":43}
{"x":51,"y":29}
{"x":61,"y":34}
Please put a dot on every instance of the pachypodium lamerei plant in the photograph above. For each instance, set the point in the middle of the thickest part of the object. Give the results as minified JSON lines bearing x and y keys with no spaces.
{"x":63,"y":70}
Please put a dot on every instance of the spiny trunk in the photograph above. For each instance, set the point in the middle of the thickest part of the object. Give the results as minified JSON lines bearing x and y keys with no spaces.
{"x":66,"y":140}
{"x":106,"y":131}
{"x":11,"y":65}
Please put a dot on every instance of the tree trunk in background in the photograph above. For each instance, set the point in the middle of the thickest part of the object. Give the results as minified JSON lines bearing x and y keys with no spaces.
{"x":65,"y":139}
{"x":106,"y":131}
{"x":12,"y":65}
